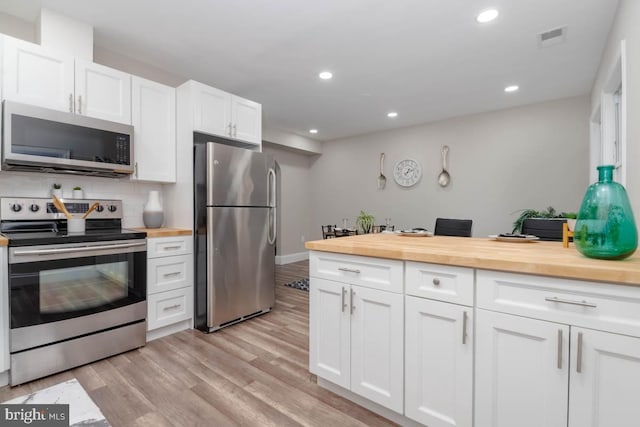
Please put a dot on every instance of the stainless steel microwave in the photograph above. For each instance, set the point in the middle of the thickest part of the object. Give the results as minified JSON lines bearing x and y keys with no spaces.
{"x":44,"y":140}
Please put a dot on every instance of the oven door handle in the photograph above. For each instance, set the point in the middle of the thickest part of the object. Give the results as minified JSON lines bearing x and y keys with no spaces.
{"x":77,"y":249}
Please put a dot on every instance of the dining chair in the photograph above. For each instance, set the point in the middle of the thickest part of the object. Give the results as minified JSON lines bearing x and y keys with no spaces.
{"x":328,"y":231}
{"x":544,"y":228}
{"x":453,"y":227}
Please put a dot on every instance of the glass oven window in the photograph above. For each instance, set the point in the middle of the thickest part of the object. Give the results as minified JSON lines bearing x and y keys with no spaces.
{"x":80,"y":288}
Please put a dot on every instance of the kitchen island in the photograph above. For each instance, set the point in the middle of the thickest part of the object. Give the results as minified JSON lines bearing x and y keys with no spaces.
{"x":450,"y":331}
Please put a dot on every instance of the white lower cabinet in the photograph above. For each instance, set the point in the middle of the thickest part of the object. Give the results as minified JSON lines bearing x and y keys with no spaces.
{"x":438,"y":363}
{"x":356,"y":340}
{"x":169,"y":285}
{"x":551,"y":370}
{"x":521,"y":371}
{"x":604,"y":382}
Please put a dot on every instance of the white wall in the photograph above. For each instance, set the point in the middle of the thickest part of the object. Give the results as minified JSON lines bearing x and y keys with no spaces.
{"x":294,"y":201}
{"x":500,"y":162}
{"x":626,"y":26}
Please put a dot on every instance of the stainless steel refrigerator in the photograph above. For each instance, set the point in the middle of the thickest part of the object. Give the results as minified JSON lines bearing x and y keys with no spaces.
{"x":235,"y":221}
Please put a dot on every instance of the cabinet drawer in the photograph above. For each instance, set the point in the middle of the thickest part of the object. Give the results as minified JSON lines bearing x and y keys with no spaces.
{"x":609,"y":307}
{"x":439,"y":282}
{"x":166,"y":308}
{"x":173,"y":272}
{"x":166,"y":246}
{"x":376,"y":273}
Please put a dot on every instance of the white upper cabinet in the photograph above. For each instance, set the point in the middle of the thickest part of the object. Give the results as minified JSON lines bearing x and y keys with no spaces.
{"x":102,"y":92}
{"x":246,"y":119}
{"x":154,"y":123}
{"x":37,"y":76}
{"x":32,"y":75}
{"x":212,"y":110}
{"x":220,"y":113}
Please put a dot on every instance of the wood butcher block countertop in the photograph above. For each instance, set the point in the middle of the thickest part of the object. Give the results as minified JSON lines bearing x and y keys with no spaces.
{"x":4,"y":241}
{"x":164,"y":231}
{"x":542,"y":258}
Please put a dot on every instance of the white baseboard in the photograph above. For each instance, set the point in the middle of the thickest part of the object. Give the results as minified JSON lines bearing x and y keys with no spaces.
{"x":288,"y":259}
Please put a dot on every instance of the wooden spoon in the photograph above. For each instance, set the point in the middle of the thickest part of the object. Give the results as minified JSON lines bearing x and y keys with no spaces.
{"x":91,"y":209}
{"x":60,"y":206}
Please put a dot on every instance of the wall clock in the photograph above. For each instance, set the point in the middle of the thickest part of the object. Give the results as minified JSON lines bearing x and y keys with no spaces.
{"x":407,"y":172}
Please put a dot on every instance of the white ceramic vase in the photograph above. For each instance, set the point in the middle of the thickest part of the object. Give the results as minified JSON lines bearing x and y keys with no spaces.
{"x":152,"y":213}
{"x":78,"y":194}
{"x":57,"y":192}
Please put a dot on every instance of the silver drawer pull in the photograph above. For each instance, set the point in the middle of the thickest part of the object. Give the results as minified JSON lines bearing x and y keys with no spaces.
{"x":349,"y":270}
{"x":353,"y":305}
{"x":436,"y":282}
{"x":579,"y":356}
{"x":464,"y":327}
{"x":572,"y":302}
{"x":171,"y":248}
{"x":344,"y":291}
{"x":175,"y":273}
{"x":171,"y":307}
{"x":559,"y":362}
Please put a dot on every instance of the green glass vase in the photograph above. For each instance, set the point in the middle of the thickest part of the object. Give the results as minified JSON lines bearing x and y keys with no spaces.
{"x":606,"y":228}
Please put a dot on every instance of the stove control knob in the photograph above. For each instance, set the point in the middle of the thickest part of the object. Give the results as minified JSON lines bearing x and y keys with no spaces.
{"x":100,"y":208}
{"x":112,"y":208}
{"x":16,"y":207}
{"x":34,"y":208}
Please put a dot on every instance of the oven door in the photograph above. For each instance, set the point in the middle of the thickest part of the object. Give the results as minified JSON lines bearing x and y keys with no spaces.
{"x":57,"y":292}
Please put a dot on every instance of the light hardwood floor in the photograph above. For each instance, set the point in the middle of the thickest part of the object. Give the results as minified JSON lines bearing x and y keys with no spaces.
{"x":251,"y":374}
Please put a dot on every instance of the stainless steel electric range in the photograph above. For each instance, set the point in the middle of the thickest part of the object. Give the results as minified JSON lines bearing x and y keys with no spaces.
{"x":73,"y":297}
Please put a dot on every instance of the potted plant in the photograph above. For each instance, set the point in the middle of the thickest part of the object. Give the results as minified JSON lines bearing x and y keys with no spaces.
{"x":550,"y":213}
{"x":78,"y":193}
{"x":365,"y":221}
{"x":56,"y":190}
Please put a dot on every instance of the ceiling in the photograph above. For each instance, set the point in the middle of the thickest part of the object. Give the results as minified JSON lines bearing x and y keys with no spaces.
{"x":426,"y":59}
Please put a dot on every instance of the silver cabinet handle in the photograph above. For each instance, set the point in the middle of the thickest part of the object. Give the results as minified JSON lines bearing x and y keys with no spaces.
{"x":175,"y":273}
{"x":559,"y":348}
{"x":579,"y":356}
{"x":349,"y":270}
{"x":79,"y":104}
{"x":71,"y":103}
{"x":436,"y":281}
{"x":171,"y":307}
{"x":172,"y":248}
{"x":353,"y":306}
{"x":572,"y":302}
{"x":464,"y":327}
{"x":342,"y":303}
{"x":235,"y":131}
{"x":229,"y":131}
{"x":136,"y":167}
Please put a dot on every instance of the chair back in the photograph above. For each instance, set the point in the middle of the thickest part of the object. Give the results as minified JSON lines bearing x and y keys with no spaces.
{"x":453,"y":227}
{"x":545,"y":228}
{"x":328,"y":231}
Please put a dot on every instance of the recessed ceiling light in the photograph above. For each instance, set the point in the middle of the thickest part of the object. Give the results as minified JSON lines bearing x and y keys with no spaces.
{"x":511,"y":88}
{"x":325,"y":75}
{"x":487,"y":16}
{"x":392,"y":114}
{"x":313,"y":130}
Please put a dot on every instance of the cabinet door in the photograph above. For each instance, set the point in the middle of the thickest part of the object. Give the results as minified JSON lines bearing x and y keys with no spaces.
{"x":377,"y":346}
{"x":329,"y":349}
{"x":102,"y":92}
{"x":33,"y":75}
{"x":521,"y":370}
{"x":154,"y":122}
{"x":438,"y":363}
{"x":605,"y":379}
{"x":212,"y":109}
{"x":246,"y":120}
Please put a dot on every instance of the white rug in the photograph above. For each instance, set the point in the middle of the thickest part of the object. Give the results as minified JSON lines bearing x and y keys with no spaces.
{"x":82,"y":410}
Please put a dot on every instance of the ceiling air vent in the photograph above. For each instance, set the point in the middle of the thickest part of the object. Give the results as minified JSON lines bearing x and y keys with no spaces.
{"x":552,"y":37}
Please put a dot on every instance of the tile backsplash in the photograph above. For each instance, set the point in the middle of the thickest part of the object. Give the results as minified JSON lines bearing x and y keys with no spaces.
{"x":33,"y":184}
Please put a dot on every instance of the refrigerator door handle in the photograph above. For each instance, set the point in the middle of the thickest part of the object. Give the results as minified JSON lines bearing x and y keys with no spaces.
{"x":210,"y":160}
{"x":271,"y":199}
